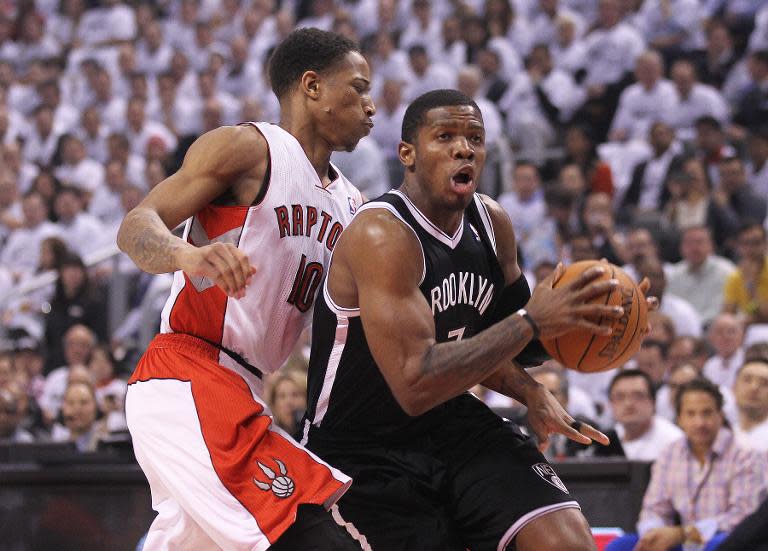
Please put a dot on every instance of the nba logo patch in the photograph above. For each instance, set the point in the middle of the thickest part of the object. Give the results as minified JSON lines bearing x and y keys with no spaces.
{"x":545,"y":471}
{"x":352,"y":205}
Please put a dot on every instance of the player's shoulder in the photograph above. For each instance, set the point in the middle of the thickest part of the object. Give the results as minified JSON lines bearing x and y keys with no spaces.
{"x":377,"y":224}
{"x":499,"y":217}
{"x":236,"y":147}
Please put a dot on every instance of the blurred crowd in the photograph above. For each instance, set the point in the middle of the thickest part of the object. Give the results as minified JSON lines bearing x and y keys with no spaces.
{"x":631,"y":130}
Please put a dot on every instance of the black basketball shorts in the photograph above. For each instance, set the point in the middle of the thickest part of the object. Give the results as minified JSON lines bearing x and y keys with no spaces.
{"x":445,"y":493}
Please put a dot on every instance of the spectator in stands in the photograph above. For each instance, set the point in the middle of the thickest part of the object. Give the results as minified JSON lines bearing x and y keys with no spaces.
{"x":735,"y":194}
{"x":110,"y":106}
{"x":644,"y":102}
{"x":494,"y":83}
{"x":718,"y":57}
{"x":726,"y":335}
{"x":750,"y":391}
{"x":424,"y":76}
{"x":662,"y":328}
{"x":678,"y":509}
{"x":599,"y":223}
{"x":153,"y":53}
{"x":524,"y":202}
{"x":76,"y":301}
{"x":42,"y":137}
{"x":10,"y":430}
{"x":700,"y":277}
{"x":76,"y":168}
{"x":648,"y":189}
{"x":671,"y":28}
{"x":139,"y":130}
{"x":689,"y":350}
{"x":21,"y":252}
{"x":367,"y":162}
{"x":693,"y":101}
{"x":78,"y":344}
{"x":93,"y":134}
{"x":651,"y":359}
{"x":643,"y":435}
{"x":11,"y":215}
{"x":687,"y":320}
{"x":746,"y":290}
{"x":81,"y":420}
{"x":711,"y":146}
{"x":469,"y":80}
{"x":390,"y":110}
{"x":110,"y":390}
{"x":581,"y":150}
{"x":640,"y":246}
{"x":287,"y":400}
{"x":82,"y":232}
{"x":612,"y":49}
{"x":752,"y":107}
{"x":757,"y":165}
{"x":665,"y":398}
{"x":569,"y":52}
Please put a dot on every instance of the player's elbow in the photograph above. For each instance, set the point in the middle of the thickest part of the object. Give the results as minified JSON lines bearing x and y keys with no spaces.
{"x":412,"y":398}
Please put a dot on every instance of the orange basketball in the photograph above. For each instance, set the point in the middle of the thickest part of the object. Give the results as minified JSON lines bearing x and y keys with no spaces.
{"x":587,"y":352}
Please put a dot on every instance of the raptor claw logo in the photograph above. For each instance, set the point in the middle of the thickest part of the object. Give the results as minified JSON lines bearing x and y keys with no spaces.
{"x":282,"y":486}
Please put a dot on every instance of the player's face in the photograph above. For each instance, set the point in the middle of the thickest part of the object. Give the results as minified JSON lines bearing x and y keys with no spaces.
{"x":449,"y":155}
{"x":346,"y":104}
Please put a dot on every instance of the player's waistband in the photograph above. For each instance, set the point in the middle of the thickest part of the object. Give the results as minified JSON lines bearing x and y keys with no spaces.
{"x":204,"y":347}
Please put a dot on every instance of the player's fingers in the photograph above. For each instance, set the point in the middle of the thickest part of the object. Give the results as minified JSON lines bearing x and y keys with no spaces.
{"x":603,"y":312}
{"x":598,"y":289}
{"x":591,"y":432}
{"x":214,"y":273}
{"x":543,"y":442}
{"x":644,"y":285}
{"x":557,"y":273}
{"x":571,"y":431}
{"x":587,"y":276}
{"x":653,"y":303}
{"x":595,"y":328}
{"x":233,"y":257}
{"x":225,"y":276}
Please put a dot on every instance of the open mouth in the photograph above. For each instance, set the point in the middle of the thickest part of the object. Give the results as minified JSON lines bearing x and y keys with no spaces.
{"x":463,"y":178}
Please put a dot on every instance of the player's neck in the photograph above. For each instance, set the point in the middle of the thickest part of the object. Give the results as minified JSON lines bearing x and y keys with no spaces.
{"x":447,"y":220}
{"x":317,"y":150}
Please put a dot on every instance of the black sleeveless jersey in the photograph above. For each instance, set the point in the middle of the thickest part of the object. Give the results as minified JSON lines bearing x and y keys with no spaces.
{"x":462,"y":279}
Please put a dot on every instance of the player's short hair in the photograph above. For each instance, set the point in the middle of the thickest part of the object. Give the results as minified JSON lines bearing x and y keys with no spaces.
{"x":305,"y":50}
{"x":698,"y":385}
{"x":631,"y":374}
{"x":415,"y":115}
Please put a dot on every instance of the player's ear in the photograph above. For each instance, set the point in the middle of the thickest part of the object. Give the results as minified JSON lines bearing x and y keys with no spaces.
{"x":310,"y":84}
{"x":407,"y":155}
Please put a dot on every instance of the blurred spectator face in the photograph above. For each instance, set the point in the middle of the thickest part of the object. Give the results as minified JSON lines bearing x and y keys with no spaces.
{"x":469,"y":80}
{"x":284,"y":22}
{"x":566,"y":31}
{"x":132,"y":196}
{"x":577,"y":143}
{"x":541,"y":59}
{"x":582,"y":249}
{"x":52,"y":249}
{"x":757,"y":67}
{"x":9,"y":414}
{"x":203,"y":34}
{"x":751,"y":390}
{"x":7,"y":371}
{"x":157,"y":150}
{"x":732,"y":175}
{"x":548,"y":6}
{"x":662,"y":328}
{"x":572,"y":178}
{"x":8,"y":190}
{"x":392,"y":94}
{"x":78,"y":345}
{"x":114,"y":176}
{"x":289,"y":398}
{"x":696,"y":246}
{"x":101,"y":367}
{"x":49,"y":94}
{"x":135,"y":113}
{"x":154,"y":174}
{"x":525,"y":181}
{"x":475,"y":32}
{"x":554,"y":384}
{"x":79,"y":408}
{"x":750,"y":244}
{"x":179,"y":65}
{"x":102,"y":85}
{"x":648,"y":69}
{"x":73,"y":278}
{"x":251,"y":110}
{"x":189,"y":11}
{"x":239,"y":50}
{"x":632,"y":403}
{"x":79,"y":374}
{"x":641,"y":246}
{"x":488,"y":61}
{"x":35,"y":210}
{"x":709,"y":138}
{"x":718,"y":39}
{"x":91,"y":121}
{"x":212,"y":115}
{"x":44,"y":121}
{"x":7,"y":73}
{"x":608,"y":13}
{"x":206,"y":84}
{"x":542,"y":271}
{"x":697,"y":175}
{"x":726,"y":334}
{"x":420,"y":62}
{"x":4,"y":120}
{"x":451,"y":29}
{"x":700,"y":418}
{"x":661,"y":137}
{"x":678,"y":377}
{"x":153,"y":34}
{"x":126,"y":59}
{"x":67,"y":205}
{"x":757,"y":147}
{"x":650,"y":360}
{"x":598,"y":213}
{"x":32,"y":27}
{"x":72,"y":151}
{"x":684,"y":77}
{"x":421,"y":10}
{"x":139,"y":86}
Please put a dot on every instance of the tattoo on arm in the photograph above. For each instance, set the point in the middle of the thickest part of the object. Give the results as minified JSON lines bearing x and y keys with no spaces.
{"x":145,"y":238}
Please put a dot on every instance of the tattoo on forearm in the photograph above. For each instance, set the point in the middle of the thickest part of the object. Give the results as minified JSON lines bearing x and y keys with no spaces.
{"x":144,"y":237}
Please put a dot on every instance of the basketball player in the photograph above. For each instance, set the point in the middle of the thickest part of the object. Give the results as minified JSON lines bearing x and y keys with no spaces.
{"x":264,"y":209}
{"x":400,"y":333}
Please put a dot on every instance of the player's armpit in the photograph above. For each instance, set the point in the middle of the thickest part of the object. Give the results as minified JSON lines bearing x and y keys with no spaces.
{"x":506,"y":242}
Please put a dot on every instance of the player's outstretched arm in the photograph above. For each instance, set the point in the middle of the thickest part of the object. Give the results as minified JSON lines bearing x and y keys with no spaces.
{"x":217,"y":161}
{"x":399,"y":326}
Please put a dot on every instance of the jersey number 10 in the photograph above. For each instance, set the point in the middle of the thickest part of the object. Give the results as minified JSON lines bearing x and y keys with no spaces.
{"x":305,"y":284}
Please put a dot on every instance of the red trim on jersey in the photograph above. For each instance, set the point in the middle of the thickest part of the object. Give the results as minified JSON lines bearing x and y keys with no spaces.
{"x":237,"y":435}
{"x":202,"y":313}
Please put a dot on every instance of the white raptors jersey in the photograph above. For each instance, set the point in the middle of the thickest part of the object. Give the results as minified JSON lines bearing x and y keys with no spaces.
{"x":288,"y":237}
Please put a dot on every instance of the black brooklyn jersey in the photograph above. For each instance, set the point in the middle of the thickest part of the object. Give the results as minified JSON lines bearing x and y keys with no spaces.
{"x":462,"y":281}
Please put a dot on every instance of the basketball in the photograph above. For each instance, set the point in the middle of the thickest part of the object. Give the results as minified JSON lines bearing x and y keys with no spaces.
{"x":587,"y":352}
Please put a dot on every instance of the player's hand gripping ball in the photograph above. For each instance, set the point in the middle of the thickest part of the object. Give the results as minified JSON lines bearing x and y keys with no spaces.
{"x":586,"y":352}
